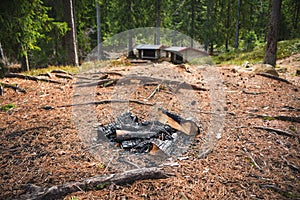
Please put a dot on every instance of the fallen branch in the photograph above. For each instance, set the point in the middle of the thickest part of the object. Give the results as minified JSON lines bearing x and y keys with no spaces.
{"x":251,"y":158}
{"x":253,"y":93}
{"x":14,"y":87}
{"x":33,"y":78}
{"x":278,"y":131}
{"x":92,"y":183}
{"x":275,"y":188}
{"x":61,"y":72}
{"x":273,"y":77}
{"x":288,"y":118}
{"x":154,"y":92}
{"x":179,"y":84}
{"x":101,"y":82}
{"x":280,"y":117}
{"x":46,"y":74}
{"x":108,"y":101}
{"x":113,"y":73}
{"x":66,"y":76}
{"x":292,"y":166}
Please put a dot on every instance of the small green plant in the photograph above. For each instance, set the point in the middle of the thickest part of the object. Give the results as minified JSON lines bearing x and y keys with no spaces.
{"x":74,"y":198}
{"x":292,"y":128}
{"x":268,"y":118}
{"x":7,"y":107}
{"x":102,"y":186}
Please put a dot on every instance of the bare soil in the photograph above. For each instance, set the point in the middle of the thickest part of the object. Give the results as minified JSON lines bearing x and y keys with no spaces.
{"x":43,"y":147}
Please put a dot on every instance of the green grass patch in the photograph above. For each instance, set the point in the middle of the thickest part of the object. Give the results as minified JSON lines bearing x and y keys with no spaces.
{"x":35,"y":72}
{"x":284,"y":49}
{"x":7,"y":107}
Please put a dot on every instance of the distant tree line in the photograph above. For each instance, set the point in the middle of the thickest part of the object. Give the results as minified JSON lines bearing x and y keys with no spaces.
{"x":38,"y":33}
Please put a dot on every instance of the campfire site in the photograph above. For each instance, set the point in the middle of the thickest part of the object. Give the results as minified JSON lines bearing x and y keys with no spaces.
{"x":146,"y":145}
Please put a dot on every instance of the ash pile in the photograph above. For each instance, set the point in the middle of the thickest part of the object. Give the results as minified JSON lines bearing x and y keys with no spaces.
{"x":168,"y":135}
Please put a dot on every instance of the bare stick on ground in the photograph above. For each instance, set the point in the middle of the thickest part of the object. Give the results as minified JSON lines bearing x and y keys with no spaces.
{"x":281,"y":117}
{"x":61,"y":71}
{"x":66,"y":76}
{"x":92,"y":183}
{"x":274,"y":77}
{"x":251,"y":158}
{"x":291,"y":165}
{"x":15,"y":87}
{"x":278,"y":131}
{"x":33,"y":78}
{"x":108,"y":101}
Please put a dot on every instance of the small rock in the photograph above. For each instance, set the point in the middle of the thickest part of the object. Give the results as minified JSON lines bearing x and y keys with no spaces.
{"x":247,"y":65}
{"x":298,"y":72}
{"x":266,"y":68}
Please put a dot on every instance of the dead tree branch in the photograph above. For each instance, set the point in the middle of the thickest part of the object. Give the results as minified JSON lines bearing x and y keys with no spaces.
{"x":273,"y":130}
{"x":251,"y":158}
{"x":101,"y":82}
{"x":273,"y":77}
{"x":154,"y":92}
{"x":33,"y":78}
{"x":291,"y":165}
{"x":66,"y":76}
{"x":96,"y":182}
{"x":253,"y":93}
{"x":61,"y":72}
{"x":280,"y":117}
{"x":14,"y":87}
{"x":108,"y":101}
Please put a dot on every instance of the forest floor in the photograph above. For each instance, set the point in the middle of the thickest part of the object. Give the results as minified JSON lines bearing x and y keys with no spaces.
{"x":40,"y":143}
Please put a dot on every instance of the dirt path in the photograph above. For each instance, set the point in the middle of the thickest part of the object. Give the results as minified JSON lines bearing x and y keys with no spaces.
{"x":42,"y":146}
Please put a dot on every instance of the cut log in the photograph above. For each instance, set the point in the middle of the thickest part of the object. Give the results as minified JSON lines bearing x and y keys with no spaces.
{"x":186,"y":126}
{"x":274,"y":77}
{"x":122,"y":135}
{"x":14,"y":87}
{"x":92,"y":183}
{"x":33,"y":78}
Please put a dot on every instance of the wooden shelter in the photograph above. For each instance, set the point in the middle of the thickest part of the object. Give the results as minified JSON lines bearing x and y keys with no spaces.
{"x":148,"y":51}
{"x":183,"y":54}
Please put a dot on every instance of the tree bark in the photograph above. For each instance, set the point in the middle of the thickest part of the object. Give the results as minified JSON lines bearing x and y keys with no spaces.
{"x":70,"y":39}
{"x":99,"y":41}
{"x":271,"y":50}
{"x":237,"y":26}
{"x":158,"y":21}
{"x":92,"y":183}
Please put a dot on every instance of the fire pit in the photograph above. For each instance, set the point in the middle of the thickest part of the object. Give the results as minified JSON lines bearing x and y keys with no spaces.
{"x":166,"y":135}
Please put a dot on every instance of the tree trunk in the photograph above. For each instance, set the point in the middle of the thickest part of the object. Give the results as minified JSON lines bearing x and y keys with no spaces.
{"x":99,"y":41}
{"x":271,"y":50}
{"x":236,"y":44}
{"x":70,"y":39}
{"x":129,"y":27}
{"x":158,"y":22}
{"x":227,"y":27}
{"x":193,"y":23}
